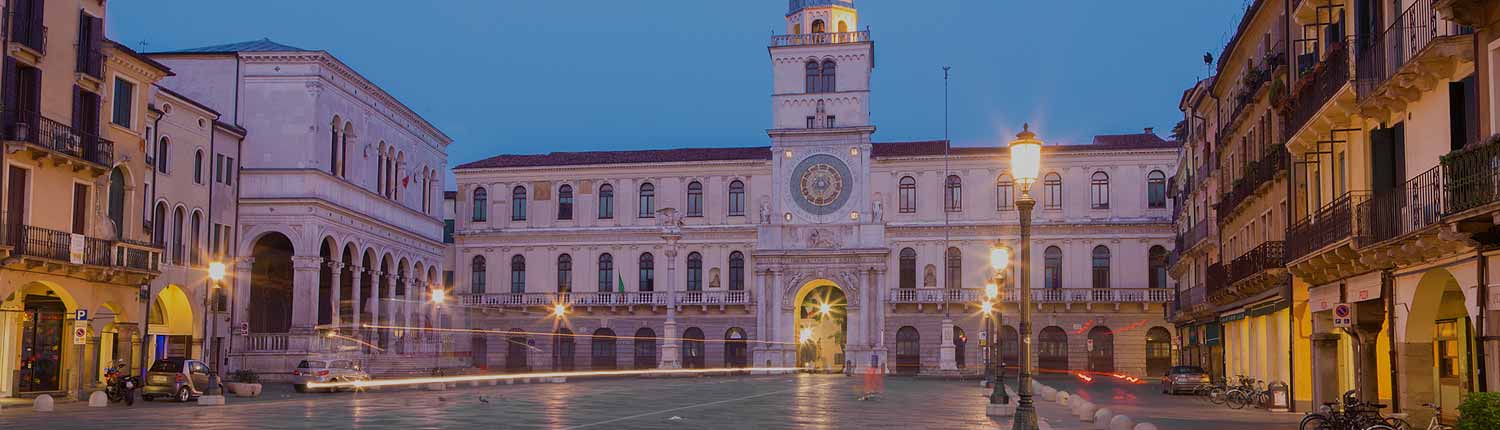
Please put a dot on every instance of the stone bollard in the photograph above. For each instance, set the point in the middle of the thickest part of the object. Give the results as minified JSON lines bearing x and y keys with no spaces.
{"x":1086,"y":412}
{"x":43,"y":403}
{"x":1102,"y":417}
{"x":1145,"y":426}
{"x":98,"y":399}
{"x":1063,"y":398}
{"x":1121,"y":422}
{"x":1049,"y":394}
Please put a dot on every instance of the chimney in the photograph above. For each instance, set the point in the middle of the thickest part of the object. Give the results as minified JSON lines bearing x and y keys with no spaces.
{"x":1149,"y":130}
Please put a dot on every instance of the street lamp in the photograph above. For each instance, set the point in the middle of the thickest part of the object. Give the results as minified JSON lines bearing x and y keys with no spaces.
{"x":1025,"y":164}
{"x":438,"y":297}
{"x":999,"y":261}
{"x":215,"y":277}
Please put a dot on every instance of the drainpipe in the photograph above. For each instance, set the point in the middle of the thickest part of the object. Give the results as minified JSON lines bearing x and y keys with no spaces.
{"x":1388,"y":290}
{"x":1291,"y":198}
{"x":146,"y":322}
{"x":208,"y":284}
{"x":1484,"y":308}
{"x":234,"y":229}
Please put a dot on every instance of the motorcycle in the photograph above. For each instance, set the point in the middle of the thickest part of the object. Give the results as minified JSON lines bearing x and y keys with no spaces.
{"x":120,"y":387}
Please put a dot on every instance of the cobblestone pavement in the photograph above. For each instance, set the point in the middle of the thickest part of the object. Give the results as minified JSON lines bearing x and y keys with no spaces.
{"x":1145,"y":402}
{"x":760,"y":402}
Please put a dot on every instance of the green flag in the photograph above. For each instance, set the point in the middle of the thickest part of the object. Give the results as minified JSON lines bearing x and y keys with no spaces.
{"x":621,"y":277}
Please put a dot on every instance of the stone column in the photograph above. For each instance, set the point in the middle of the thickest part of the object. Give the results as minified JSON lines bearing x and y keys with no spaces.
{"x":335,"y":293}
{"x":878,"y":331}
{"x":376,"y":279}
{"x":240,"y":299}
{"x":305,"y":293}
{"x":402,"y":309}
{"x":945,"y":349}
{"x":670,"y":350}
{"x":762,"y":305}
{"x":356,"y":292}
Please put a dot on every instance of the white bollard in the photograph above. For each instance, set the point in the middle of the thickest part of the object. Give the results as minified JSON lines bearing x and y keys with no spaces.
{"x":1086,"y":412}
{"x":1063,"y":398}
{"x":1121,"y":422}
{"x":98,"y":399}
{"x":1102,"y":417}
{"x":43,"y":403}
{"x":1049,"y":394}
{"x":1145,"y":426}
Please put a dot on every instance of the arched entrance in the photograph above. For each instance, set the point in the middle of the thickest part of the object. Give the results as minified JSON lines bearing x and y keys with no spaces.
{"x":1052,"y":349}
{"x":908,"y":351}
{"x":822,"y":326}
{"x":516,"y":350}
{"x":35,"y":318}
{"x":645,"y":348}
{"x":736,"y":353}
{"x":1101,"y":349}
{"x":603,"y":350}
{"x":171,"y":325}
{"x":960,"y":342}
{"x":1158,"y":351}
{"x":1010,"y":346}
{"x":271,"y":284}
{"x":1438,"y":326}
{"x":693,"y":352}
{"x":563,"y":350}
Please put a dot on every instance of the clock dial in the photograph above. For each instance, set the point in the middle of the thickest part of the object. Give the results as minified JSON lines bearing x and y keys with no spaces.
{"x":821,"y":184}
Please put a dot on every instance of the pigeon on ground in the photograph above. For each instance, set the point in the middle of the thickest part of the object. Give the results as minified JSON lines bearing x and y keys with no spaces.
{"x":482,"y":399}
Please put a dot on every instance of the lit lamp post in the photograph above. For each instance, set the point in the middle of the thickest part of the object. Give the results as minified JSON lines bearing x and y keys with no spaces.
{"x":215,"y":390}
{"x":1025,"y":164}
{"x":999,"y":261}
{"x":438,"y":296}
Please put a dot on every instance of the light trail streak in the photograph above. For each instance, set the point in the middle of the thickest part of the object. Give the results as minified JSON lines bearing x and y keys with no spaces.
{"x":537,"y":333}
{"x":333,"y":335}
{"x":508,"y":376}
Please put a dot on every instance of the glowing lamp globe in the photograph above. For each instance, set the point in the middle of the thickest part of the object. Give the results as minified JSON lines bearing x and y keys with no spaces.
{"x":1025,"y":157}
{"x":999,"y":259}
{"x":439,"y":296}
{"x":991,"y":291}
{"x":558,"y":310}
{"x":987,"y":308}
{"x":216,"y":271}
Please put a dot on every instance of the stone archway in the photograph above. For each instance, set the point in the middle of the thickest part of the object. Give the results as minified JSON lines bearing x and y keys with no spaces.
{"x":34,"y":323}
{"x":821,"y":325}
{"x":1436,"y":354}
{"x":271,"y":284}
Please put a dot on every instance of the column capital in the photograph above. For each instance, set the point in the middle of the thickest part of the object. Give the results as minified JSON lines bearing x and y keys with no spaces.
{"x":307,"y":262}
{"x":336,"y":266}
{"x":244,"y":264}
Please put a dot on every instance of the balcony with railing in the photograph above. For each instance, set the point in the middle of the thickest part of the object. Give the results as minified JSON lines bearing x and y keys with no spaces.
{"x":1472,"y":180}
{"x":1413,"y":206}
{"x":1253,"y":273}
{"x":1257,"y":174}
{"x":91,"y":62}
{"x":1330,"y":224}
{"x":1249,"y":89}
{"x":1420,"y":45}
{"x":100,"y":259}
{"x":1316,"y":87}
{"x":590,"y":299}
{"x":813,"y":39}
{"x":1215,"y":279}
{"x":45,"y":137}
{"x":28,"y":33}
{"x":1038,"y":295}
{"x":1192,"y":237}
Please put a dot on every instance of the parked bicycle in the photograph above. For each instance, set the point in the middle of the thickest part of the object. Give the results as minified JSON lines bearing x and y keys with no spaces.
{"x":1353,"y":415}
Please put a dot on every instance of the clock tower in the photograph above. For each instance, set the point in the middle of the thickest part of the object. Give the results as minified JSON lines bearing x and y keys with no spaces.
{"x":820,"y":131}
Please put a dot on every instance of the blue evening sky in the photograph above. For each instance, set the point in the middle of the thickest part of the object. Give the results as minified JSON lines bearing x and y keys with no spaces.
{"x":509,"y":76}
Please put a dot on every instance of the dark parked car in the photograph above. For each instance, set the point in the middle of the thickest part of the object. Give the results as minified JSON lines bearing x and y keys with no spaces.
{"x":178,"y":378}
{"x":1183,"y":378}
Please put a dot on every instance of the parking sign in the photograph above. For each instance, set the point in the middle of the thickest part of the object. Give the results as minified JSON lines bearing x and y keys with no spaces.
{"x":1343,"y":315}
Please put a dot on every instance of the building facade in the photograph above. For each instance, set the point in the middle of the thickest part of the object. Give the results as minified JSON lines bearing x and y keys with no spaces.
{"x":339,"y":222}
{"x":823,"y":250}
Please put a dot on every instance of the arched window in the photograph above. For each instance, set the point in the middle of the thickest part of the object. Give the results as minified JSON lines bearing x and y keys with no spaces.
{"x":333,"y":146}
{"x":198,"y":166}
{"x":908,"y":194}
{"x":1101,"y":267}
{"x":1156,"y":189}
{"x":908,"y":350}
{"x":814,"y":77}
{"x":518,"y":274}
{"x":564,"y":273}
{"x":647,"y":279}
{"x":476,"y":275}
{"x":162,"y":154}
{"x":953,"y":196}
{"x":159,"y":225}
{"x":818,"y":26}
{"x":1052,"y":187}
{"x":1052,"y":267}
{"x":955,"y":266}
{"x":736,"y":271}
{"x":195,"y":247}
{"x":1005,"y":198}
{"x":908,"y":268}
{"x":830,"y":78}
{"x":481,"y":202}
{"x":343,"y":150}
{"x":606,"y":201}
{"x":518,"y":203}
{"x":647,"y":200}
{"x":695,"y":199}
{"x":736,"y":198}
{"x":606,"y":272}
{"x":694,"y":271}
{"x":843,"y":27}
{"x":565,"y":202}
{"x":1156,"y":267}
{"x":693,"y":351}
{"x":1099,"y":190}
{"x":177,"y":243}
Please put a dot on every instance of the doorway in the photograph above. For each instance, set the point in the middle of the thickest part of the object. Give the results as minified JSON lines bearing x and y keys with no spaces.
{"x":821,"y":327}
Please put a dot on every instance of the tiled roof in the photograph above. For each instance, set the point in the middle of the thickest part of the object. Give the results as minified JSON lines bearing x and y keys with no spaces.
{"x":263,"y":45}
{"x":620,"y":157}
{"x":1140,"y":139}
{"x":136,"y":55}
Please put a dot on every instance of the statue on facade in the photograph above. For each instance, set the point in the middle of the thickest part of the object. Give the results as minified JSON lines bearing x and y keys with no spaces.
{"x":765,"y":212}
{"x":879,"y":211}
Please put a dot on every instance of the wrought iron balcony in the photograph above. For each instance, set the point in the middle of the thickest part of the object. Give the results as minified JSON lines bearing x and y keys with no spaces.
{"x":1215,"y":279}
{"x":1472,"y":177}
{"x":1330,"y":224}
{"x":33,"y":128}
{"x":1267,"y":256}
{"x":1408,"y":37}
{"x":41,"y":242}
{"x":1187,"y":240}
{"x":1416,"y":204}
{"x":1257,"y":174}
{"x":1318,"y":86}
{"x":820,"y":38}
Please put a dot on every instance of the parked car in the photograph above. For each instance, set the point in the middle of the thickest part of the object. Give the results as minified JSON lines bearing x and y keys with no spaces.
{"x":177,"y":378}
{"x":1183,"y":378}
{"x":331,"y":370}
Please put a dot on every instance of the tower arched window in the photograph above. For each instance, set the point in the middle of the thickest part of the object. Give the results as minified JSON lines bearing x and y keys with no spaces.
{"x":736,"y":271}
{"x":1005,"y":198}
{"x":1156,"y":267}
{"x":333,"y":147}
{"x":736,"y":198}
{"x":694,"y":272}
{"x":565,"y":202}
{"x":819,"y":27}
{"x":908,"y":268}
{"x":1052,"y":188}
{"x":1101,"y":267}
{"x":518,"y":203}
{"x":1099,"y":190}
{"x":814,"y":77}
{"x":908,"y":194}
{"x":162,"y":154}
{"x":695,"y":199}
{"x":564,"y":273}
{"x":606,"y":201}
{"x":647,"y":269}
{"x":1052,"y":267}
{"x":647,"y":200}
{"x":476,"y":275}
{"x":1156,"y":189}
{"x":481,"y":202}
{"x":830,"y":78}
{"x":518,"y":274}
{"x":955,"y":266}
{"x":843,"y":27}
{"x":953,"y":196}
{"x":606,"y":272}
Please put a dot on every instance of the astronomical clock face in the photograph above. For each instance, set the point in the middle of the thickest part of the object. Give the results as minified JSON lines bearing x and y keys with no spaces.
{"x":821,"y":184}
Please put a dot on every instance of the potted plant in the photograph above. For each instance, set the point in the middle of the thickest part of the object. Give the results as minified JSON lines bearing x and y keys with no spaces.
{"x":1479,"y":411}
{"x":244,"y":383}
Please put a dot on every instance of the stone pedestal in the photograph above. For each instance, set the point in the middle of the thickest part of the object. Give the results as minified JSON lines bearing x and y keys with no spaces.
{"x":946,"y":351}
{"x":670,"y":355}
